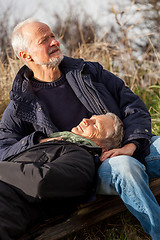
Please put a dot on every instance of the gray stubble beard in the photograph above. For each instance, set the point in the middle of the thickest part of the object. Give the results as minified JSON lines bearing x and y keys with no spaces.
{"x":54,"y":62}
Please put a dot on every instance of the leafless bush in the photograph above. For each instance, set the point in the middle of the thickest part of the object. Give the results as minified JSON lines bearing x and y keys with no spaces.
{"x":75,"y":30}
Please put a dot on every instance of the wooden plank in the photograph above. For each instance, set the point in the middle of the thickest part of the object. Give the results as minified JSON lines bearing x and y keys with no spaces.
{"x":86,"y":215}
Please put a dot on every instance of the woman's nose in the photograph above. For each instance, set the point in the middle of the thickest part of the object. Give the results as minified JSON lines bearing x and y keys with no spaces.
{"x":85,"y":121}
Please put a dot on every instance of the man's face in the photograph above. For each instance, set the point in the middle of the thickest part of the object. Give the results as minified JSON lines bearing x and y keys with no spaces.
{"x":96,"y":128}
{"x":43,"y":48}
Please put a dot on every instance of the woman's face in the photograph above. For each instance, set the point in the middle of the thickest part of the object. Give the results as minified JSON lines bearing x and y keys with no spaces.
{"x":95,"y":128}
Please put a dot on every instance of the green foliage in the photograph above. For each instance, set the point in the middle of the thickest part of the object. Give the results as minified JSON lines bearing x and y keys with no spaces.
{"x":151,"y":97}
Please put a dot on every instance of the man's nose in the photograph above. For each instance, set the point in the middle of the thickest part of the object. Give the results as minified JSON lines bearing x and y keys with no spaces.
{"x":54,"y":42}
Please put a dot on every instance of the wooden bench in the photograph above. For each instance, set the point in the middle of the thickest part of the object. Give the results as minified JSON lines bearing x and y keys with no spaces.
{"x":86,"y":215}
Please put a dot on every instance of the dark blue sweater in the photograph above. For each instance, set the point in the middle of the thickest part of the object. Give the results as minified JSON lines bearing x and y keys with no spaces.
{"x":65,"y":109}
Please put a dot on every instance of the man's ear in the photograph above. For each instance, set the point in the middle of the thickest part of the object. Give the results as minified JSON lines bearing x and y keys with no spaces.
{"x":25,"y":56}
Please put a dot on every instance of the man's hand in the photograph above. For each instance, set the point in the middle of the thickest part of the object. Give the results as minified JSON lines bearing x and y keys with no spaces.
{"x":50,"y":139}
{"x":128,"y":149}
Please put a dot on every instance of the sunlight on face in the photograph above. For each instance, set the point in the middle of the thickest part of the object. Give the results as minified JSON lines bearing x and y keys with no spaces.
{"x":96,"y":128}
{"x":44,"y":47}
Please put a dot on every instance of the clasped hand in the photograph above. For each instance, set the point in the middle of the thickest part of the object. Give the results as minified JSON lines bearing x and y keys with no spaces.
{"x":128,"y":149}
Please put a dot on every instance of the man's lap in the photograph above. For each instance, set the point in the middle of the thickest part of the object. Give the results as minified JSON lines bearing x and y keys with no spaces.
{"x":116,"y":168}
{"x":105,"y":171}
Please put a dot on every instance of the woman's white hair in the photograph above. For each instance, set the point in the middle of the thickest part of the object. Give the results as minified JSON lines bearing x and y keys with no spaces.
{"x":19,"y":41}
{"x":114,"y":137}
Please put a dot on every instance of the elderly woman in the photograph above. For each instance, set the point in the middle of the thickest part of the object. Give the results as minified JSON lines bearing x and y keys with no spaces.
{"x":60,"y":170}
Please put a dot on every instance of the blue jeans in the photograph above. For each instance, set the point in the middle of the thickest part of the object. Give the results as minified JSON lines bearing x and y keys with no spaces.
{"x":127,"y":177}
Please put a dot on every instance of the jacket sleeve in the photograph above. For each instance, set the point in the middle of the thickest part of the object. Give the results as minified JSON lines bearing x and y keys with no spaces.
{"x":132,"y":110}
{"x":15,"y":135}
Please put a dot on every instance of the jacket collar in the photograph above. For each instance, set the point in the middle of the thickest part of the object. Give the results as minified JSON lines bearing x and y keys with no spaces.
{"x":22,"y":89}
{"x":69,"y":64}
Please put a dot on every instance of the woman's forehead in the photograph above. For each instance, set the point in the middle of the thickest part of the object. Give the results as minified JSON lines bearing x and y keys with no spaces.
{"x":101,"y":118}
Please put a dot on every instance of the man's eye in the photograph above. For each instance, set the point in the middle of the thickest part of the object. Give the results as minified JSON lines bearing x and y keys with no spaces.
{"x":43,"y":40}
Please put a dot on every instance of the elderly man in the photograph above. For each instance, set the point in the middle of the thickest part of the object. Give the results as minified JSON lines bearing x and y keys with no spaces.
{"x":51,"y":93}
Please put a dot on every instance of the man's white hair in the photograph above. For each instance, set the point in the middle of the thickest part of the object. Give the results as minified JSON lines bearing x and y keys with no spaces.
{"x":19,"y":42}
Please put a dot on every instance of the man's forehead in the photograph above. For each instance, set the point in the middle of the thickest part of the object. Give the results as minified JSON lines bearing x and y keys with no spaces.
{"x":35,"y":28}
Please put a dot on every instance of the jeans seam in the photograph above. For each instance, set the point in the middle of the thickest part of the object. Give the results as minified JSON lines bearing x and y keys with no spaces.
{"x":134,"y":199}
{"x":152,"y":158}
{"x":129,"y":195}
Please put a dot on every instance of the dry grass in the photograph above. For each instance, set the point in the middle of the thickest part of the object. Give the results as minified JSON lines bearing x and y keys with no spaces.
{"x":143,"y":73}
{"x":7,"y":73}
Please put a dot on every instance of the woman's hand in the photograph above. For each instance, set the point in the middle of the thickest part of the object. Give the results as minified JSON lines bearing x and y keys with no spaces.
{"x":50,"y":139}
{"x":128,"y":149}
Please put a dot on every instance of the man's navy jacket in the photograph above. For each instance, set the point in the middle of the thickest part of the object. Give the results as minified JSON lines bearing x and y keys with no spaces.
{"x":25,"y":120}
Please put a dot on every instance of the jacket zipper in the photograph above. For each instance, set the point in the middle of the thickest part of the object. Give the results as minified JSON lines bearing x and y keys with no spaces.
{"x":94,"y":99}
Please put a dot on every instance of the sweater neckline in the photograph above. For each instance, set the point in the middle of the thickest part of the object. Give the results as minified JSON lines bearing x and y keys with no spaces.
{"x":38,"y":84}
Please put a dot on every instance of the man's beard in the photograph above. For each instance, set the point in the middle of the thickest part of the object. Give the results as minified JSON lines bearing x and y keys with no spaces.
{"x":53,"y":62}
